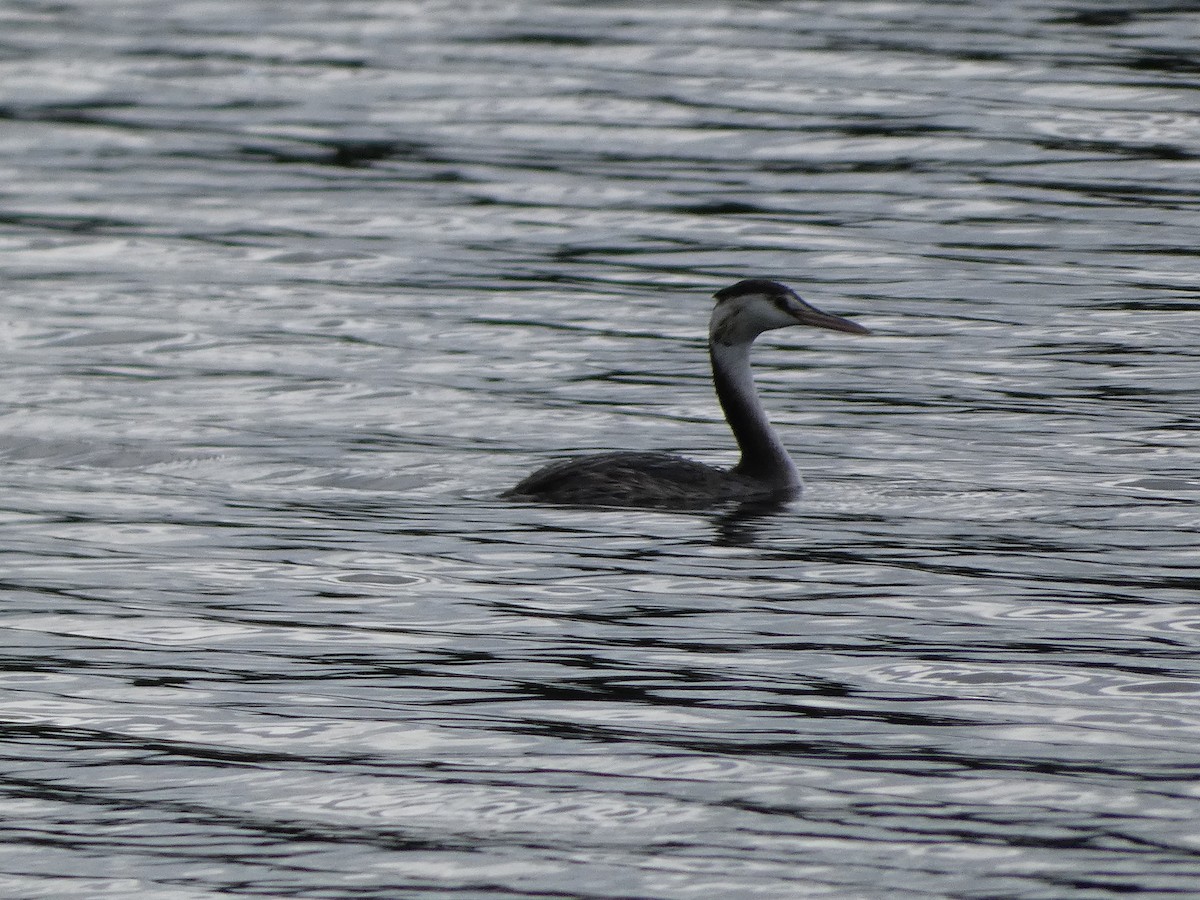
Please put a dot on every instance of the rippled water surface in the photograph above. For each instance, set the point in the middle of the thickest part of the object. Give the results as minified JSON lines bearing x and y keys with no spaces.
{"x":293,"y":290}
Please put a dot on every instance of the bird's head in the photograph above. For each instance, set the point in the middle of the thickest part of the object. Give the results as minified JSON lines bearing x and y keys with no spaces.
{"x":747,"y":309}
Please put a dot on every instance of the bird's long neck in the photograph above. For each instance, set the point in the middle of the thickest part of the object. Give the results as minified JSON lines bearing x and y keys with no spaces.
{"x":763,"y":455}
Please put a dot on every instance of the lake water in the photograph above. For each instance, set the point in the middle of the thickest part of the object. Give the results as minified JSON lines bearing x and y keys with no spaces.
{"x":293,"y":290}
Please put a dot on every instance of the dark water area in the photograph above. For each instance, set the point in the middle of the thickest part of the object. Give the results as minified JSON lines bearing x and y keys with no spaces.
{"x":291,"y":293}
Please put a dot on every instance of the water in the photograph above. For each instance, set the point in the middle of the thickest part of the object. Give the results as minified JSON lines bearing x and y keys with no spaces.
{"x":292,"y":291}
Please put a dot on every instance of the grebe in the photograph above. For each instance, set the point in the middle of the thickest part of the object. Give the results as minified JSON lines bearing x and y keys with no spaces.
{"x":743,"y":312}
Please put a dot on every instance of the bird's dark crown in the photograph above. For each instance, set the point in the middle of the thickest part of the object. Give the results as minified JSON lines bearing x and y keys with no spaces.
{"x":753,"y":286}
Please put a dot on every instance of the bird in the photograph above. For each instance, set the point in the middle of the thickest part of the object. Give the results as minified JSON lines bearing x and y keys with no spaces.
{"x":652,"y":479}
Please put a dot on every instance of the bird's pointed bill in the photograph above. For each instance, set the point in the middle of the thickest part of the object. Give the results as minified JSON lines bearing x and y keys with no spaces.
{"x":810,"y":315}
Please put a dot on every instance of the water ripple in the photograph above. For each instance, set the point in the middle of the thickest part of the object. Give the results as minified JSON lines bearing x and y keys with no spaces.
{"x":293,"y":296}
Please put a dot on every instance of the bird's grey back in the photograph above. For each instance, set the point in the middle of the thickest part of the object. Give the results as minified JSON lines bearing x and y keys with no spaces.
{"x":636,"y":479}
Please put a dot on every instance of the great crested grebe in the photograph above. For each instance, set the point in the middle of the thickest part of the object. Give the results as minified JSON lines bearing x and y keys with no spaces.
{"x":743,"y":312}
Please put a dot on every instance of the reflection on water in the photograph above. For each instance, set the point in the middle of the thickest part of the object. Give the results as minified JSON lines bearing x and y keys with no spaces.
{"x":292,"y":295}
